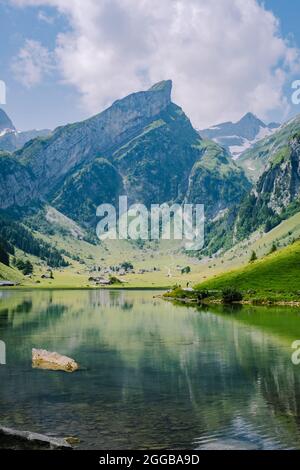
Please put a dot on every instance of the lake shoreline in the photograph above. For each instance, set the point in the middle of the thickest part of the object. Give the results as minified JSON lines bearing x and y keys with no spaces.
{"x":188,"y":300}
{"x":91,"y":288}
{"x":194,"y":303}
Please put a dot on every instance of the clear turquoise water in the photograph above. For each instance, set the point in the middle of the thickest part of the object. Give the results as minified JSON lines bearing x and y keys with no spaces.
{"x":153,"y":375}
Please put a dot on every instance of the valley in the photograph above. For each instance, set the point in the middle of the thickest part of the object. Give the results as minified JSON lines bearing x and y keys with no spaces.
{"x":167,"y":261}
{"x":144,"y":147}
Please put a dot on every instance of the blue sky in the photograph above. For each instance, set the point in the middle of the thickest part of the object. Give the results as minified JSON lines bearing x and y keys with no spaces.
{"x":288,"y":14}
{"x":50,"y":103}
{"x":63,"y":61}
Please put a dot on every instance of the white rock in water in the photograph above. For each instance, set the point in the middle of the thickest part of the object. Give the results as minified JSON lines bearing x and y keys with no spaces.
{"x":43,"y":359}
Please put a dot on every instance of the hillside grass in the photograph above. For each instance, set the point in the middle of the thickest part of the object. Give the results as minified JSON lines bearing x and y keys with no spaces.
{"x":10,"y":274}
{"x":275,"y":277}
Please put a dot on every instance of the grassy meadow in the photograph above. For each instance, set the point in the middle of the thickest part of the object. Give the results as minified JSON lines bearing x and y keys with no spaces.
{"x":275,"y":277}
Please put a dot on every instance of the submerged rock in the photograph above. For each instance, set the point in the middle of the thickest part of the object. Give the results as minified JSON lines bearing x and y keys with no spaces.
{"x":43,"y":359}
{"x":10,"y":439}
{"x":72,"y":440}
{"x":228,"y":444}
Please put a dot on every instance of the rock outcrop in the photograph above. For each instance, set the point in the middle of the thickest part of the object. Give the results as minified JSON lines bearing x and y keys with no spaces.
{"x":43,"y":359}
{"x":10,"y":439}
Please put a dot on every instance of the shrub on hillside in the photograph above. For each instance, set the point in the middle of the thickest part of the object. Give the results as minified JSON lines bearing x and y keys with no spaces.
{"x":127,"y":266}
{"x":253,"y":257}
{"x":201,"y":295}
{"x":114,"y":280}
{"x":186,"y":270}
{"x":273,"y":249}
{"x":231,"y":295}
{"x":25,"y":267}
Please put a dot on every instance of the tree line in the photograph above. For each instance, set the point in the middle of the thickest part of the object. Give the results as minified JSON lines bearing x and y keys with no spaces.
{"x":14,"y":234}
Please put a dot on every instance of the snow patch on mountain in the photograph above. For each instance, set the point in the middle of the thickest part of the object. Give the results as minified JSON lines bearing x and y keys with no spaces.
{"x":240,"y":136}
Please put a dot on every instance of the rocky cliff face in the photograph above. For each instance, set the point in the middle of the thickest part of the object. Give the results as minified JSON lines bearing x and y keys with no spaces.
{"x":277,"y":192}
{"x":17,"y":185}
{"x":47,"y":161}
{"x":281,"y":180}
{"x":52,"y":158}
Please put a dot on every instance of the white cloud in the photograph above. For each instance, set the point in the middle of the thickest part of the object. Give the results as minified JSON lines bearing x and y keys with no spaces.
{"x":32,"y":63}
{"x":225,"y":57}
{"x":42,"y":16}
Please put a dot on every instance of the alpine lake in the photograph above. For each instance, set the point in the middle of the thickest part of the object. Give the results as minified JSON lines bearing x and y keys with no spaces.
{"x":153,"y":374}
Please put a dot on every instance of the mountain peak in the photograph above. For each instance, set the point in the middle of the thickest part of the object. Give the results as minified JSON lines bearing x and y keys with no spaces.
{"x":151,"y":101}
{"x":251,"y":118}
{"x":241,"y":135}
{"x":274,"y":125}
{"x":164,"y":85}
{"x":162,"y":91}
{"x":5,"y":122}
{"x":102,"y":133}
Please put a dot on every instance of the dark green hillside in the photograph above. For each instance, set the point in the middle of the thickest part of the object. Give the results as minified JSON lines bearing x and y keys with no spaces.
{"x":82,"y":192}
{"x":215,"y":180}
{"x":156,"y":163}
